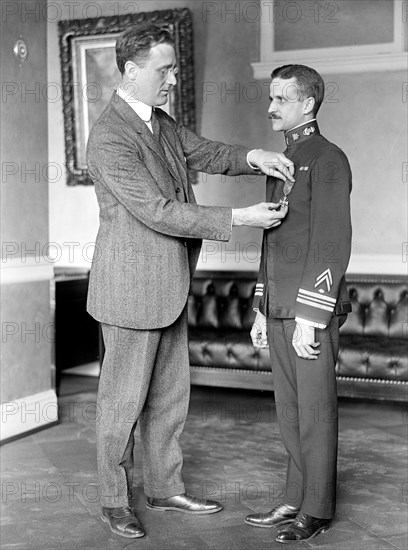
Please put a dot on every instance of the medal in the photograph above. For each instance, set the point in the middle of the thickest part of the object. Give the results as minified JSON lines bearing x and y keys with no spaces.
{"x":284,"y":202}
{"x":287,"y":188}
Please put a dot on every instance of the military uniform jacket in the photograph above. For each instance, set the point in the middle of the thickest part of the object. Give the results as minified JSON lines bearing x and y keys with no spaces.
{"x":304,"y":260}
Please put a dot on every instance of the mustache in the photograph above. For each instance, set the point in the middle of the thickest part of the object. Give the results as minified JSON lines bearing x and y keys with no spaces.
{"x":274,"y":117}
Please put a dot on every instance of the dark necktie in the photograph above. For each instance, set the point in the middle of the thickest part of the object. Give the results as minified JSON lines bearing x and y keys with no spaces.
{"x":169,"y":155}
{"x":155,"y":125}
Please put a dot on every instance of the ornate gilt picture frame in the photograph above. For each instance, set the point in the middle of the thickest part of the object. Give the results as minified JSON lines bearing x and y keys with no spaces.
{"x":90,"y":75}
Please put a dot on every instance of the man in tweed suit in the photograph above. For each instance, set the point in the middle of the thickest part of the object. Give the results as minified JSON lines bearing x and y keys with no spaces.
{"x":146,"y":251}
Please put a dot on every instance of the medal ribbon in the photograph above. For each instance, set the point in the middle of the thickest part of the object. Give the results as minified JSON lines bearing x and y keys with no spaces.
{"x":287,"y":188}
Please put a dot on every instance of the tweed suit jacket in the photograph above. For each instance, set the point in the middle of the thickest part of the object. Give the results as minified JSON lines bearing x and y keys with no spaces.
{"x":151,"y":227}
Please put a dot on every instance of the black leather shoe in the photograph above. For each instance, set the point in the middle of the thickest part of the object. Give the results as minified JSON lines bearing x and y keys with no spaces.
{"x":279,"y":515}
{"x":184,"y":503}
{"x":122,"y":521}
{"x":304,"y":527}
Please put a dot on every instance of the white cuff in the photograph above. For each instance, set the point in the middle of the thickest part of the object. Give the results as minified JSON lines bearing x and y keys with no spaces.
{"x":309,"y":323}
{"x":250,"y":164}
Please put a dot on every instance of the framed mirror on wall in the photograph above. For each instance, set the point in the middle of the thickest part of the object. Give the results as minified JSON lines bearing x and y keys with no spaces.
{"x":90,"y":76}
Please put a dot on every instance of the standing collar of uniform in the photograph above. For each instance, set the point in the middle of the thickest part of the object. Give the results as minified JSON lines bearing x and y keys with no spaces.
{"x":302,"y":132}
{"x":142,"y":110}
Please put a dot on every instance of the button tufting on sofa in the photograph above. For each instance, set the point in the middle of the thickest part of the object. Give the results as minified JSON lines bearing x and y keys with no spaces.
{"x":373,"y":357}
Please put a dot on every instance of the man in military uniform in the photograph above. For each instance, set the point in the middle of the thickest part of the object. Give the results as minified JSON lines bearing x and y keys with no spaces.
{"x":301,"y":301}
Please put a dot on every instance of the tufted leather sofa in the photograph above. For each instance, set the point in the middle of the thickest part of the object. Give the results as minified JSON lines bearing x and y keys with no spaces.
{"x":373,"y":358}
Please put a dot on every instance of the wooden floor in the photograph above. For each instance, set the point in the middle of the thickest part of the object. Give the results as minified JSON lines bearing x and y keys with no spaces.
{"x":233,"y":454}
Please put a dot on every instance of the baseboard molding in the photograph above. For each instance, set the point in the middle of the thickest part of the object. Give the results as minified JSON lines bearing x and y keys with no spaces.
{"x":88,"y":369}
{"x":377,"y":264}
{"x":28,"y":414}
{"x":25,"y":270}
{"x":217,"y":257}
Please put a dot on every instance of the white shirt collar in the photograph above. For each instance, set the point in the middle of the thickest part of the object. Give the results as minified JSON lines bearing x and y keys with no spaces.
{"x":141,"y":109}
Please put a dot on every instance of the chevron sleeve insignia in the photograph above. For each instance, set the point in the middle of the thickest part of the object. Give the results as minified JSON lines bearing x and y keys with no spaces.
{"x":325,"y":277}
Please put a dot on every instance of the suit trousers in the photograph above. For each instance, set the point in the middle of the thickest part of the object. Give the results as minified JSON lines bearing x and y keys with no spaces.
{"x":145,"y":378}
{"x":306,"y":405}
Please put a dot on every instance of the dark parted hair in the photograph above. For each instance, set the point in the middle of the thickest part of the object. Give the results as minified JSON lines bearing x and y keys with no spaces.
{"x":309,"y":82}
{"x":134,"y":44}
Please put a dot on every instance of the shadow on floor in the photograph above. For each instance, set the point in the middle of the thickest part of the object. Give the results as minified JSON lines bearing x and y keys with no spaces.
{"x":232,"y":453}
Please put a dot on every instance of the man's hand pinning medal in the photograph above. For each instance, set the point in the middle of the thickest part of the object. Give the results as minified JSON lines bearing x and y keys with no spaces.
{"x":272,"y":164}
